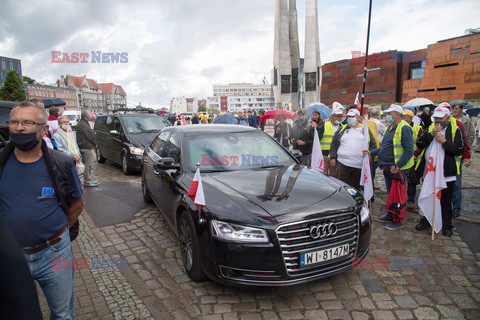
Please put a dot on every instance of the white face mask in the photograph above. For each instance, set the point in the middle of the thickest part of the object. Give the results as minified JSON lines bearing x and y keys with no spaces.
{"x":65,"y":127}
{"x":351,"y":122}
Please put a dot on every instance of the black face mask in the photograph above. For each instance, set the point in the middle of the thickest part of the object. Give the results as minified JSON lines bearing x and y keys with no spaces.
{"x":24,"y":141}
{"x":443,"y":124}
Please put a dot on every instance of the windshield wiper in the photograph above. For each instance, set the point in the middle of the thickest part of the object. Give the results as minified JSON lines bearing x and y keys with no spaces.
{"x":272,"y":166}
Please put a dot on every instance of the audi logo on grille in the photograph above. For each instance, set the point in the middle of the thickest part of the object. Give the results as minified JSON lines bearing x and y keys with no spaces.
{"x":323,"y":230}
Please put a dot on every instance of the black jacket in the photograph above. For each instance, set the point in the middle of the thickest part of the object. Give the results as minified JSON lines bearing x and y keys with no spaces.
{"x":59,"y":166}
{"x":452,"y":149}
{"x":85,"y":137}
{"x":285,"y":131}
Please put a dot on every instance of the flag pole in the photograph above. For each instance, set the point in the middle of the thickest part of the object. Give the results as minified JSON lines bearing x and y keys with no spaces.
{"x":366,"y":57}
{"x":434,"y":211}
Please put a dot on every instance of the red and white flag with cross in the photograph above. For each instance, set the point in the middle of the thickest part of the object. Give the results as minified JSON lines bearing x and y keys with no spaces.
{"x":433,"y":183}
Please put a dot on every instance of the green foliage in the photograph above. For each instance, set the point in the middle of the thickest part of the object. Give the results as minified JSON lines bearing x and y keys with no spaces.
{"x":12,"y":89}
{"x":28,"y":80}
{"x":202,"y":108}
{"x":213,"y":109}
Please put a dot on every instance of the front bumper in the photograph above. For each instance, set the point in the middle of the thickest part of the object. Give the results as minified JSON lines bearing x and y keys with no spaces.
{"x":273,"y":265}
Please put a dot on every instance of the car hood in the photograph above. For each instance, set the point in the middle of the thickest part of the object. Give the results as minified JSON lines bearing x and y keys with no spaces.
{"x":143,"y":139}
{"x":277,"y":195}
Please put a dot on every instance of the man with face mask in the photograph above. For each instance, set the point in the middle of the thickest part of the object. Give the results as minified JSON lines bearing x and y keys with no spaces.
{"x":41,"y":198}
{"x":346,"y":150}
{"x":326,"y":132}
{"x":395,"y":155}
{"x":445,"y":130}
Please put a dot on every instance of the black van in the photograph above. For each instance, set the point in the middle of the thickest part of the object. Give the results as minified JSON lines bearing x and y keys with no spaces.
{"x":5,"y":109}
{"x":122,"y":137}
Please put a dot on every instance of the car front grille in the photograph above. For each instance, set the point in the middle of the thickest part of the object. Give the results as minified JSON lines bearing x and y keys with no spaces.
{"x":295,"y":239}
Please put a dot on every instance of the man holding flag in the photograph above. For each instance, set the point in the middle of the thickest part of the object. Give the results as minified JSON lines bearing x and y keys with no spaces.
{"x":445,"y":143}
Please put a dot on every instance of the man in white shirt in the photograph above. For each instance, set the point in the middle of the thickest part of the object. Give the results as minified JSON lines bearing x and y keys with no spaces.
{"x":346,"y":150}
{"x":374,"y":115}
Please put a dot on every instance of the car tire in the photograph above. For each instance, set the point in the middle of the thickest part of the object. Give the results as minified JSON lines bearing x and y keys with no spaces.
{"x":100,"y":158}
{"x":145,"y":193}
{"x":190,"y":248}
{"x":125,"y":168}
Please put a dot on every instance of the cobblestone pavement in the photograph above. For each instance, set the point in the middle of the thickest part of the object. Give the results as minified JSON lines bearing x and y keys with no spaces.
{"x":422,"y":279}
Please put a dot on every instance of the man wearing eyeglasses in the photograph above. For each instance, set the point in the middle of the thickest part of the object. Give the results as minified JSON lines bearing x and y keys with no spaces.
{"x":41,"y":198}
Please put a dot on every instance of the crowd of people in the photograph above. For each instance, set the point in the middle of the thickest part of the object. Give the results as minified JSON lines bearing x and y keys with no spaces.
{"x":397,"y":147}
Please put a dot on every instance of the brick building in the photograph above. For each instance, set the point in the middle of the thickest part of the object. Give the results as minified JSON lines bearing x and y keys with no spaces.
{"x":89,"y":93}
{"x":41,"y":91}
{"x":444,"y":71}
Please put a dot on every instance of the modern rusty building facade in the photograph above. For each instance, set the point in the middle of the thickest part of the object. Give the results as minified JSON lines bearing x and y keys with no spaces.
{"x":444,"y":71}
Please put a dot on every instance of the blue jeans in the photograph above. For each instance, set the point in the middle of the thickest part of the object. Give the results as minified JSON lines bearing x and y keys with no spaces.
{"x":457,"y":192}
{"x":411,"y":192}
{"x":55,"y":280}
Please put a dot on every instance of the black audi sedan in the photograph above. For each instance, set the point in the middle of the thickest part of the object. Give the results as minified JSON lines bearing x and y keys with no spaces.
{"x":267,"y":221}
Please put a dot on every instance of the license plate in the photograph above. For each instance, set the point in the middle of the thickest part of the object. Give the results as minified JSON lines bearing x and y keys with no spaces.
{"x":314,"y":257}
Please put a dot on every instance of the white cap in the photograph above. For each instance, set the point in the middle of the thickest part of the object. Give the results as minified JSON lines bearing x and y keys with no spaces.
{"x":394,"y":107}
{"x":441,"y":111}
{"x":337,"y":111}
{"x":353,"y":112}
{"x":338,"y":105}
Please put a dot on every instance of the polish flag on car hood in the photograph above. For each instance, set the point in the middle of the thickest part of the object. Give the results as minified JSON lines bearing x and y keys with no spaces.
{"x":196,"y":191}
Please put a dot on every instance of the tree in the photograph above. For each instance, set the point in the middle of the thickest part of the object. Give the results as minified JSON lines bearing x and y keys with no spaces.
{"x":202,"y":109}
{"x":12,"y":89}
{"x":28,"y":80}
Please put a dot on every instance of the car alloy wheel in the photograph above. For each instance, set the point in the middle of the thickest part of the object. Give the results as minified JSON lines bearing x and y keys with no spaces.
{"x":190,"y":248}
{"x":125,"y":168}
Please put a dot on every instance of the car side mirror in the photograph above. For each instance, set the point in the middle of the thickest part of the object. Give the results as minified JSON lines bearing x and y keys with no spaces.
{"x":166,"y":164}
{"x":297,"y":154}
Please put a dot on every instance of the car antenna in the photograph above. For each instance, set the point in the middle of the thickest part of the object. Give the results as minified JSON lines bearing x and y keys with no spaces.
{"x":200,"y":219}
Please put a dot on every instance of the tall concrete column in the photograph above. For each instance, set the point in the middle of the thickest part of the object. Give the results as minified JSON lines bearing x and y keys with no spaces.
{"x":282,"y":74}
{"x":311,"y":66}
{"x":294,"y":54}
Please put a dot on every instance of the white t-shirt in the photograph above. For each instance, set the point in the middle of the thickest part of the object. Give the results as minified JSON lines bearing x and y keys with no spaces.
{"x":380,"y":129}
{"x":351,"y":146}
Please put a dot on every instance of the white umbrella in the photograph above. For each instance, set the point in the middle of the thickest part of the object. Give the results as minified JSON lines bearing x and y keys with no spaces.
{"x":417,"y":102}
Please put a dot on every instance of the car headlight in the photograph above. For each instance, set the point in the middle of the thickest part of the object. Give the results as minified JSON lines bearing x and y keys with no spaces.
{"x":364,"y":213}
{"x":136,"y":151}
{"x":235,"y":232}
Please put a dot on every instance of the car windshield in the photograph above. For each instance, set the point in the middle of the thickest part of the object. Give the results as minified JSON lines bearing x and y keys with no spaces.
{"x":144,"y":124}
{"x":236,"y":151}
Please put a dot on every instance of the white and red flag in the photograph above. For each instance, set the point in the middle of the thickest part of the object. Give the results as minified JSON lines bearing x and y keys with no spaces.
{"x":318,"y":162}
{"x":357,"y":100}
{"x":366,"y":176}
{"x":196,"y":191}
{"x":433,"y":183}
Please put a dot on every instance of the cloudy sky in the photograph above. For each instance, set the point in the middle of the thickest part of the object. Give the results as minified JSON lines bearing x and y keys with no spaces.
{"x":184,"y":47}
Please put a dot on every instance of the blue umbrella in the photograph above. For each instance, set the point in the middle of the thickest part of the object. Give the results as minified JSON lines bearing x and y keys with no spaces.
{"x":473,"y":112}
{"x":325,"y":111}
{"x":224,"y":118}
{"x":55,"y":102}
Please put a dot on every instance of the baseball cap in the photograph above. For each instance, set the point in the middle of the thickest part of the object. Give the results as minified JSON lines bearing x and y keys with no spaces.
{"x":408,"y":113}
{"x":445,"y":105}
{"x":441,"y":111}
{"x":394,"y":107}
{"x":353,"y":112}
{"x":409,"y":108}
